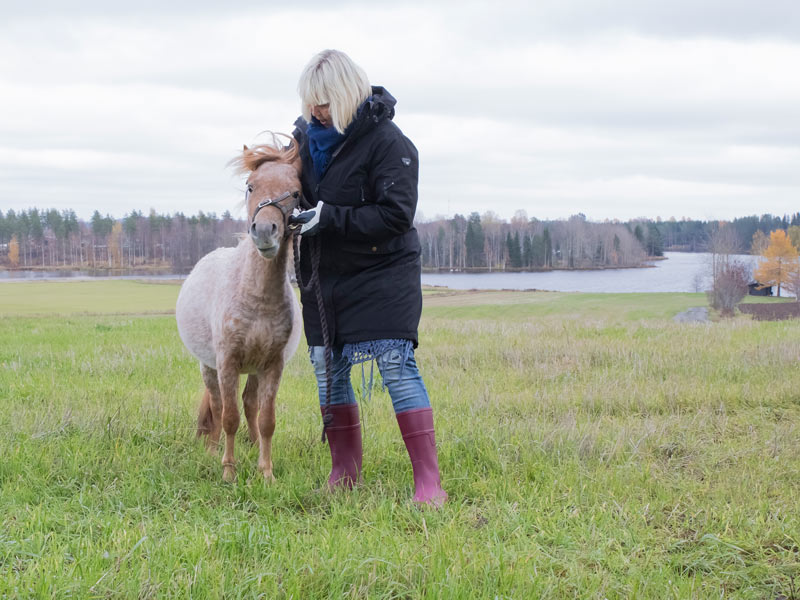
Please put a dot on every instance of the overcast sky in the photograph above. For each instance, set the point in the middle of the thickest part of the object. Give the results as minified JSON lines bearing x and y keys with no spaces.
{"x":611,"y":108}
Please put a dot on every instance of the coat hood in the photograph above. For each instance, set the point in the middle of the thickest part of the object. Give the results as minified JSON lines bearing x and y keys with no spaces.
{"x":378,"y":107}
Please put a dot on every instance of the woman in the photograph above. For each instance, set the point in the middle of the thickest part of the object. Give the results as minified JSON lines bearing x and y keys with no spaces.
{"x":360,"y":178}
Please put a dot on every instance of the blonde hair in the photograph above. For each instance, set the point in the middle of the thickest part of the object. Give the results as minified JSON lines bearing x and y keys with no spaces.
{"x":331,"y":77}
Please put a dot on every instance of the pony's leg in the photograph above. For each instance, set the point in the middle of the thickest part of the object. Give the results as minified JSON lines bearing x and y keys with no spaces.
{"x":250,"y":401}
{"x":209,"y":419}
{"x":267,"y":390}
{"x":229,"y":387}
{"x":204,"y":418}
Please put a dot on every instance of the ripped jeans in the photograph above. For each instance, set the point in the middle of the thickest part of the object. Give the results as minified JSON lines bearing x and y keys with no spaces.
{"x":401,"y":378}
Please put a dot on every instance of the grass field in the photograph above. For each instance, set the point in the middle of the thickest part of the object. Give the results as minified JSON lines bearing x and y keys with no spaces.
{"x":591,"y":447}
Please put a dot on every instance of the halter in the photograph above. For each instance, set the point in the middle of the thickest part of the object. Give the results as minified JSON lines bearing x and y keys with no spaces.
{"x":286,"y":211}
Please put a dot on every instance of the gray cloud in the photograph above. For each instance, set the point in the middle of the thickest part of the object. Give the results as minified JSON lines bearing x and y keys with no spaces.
{"x":547,"y":19}
{"x":614,"y":109}
{"x":513,"y":19}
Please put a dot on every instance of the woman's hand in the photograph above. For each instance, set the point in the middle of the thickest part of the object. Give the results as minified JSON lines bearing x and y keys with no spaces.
{"x":308,"y":219}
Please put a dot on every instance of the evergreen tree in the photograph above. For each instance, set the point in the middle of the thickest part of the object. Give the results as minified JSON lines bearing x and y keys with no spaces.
{"x":514,"y":252}
{"x":474,"y":241}
{"x":96,"y":222}
{"x":537,"y":251}
{"x":55,"y":222}
{"x":794,"y":235}
{"x":639,"y":235}
{"x":37,"y":228}
{"x":527,"y":252}
{"x":655,"y":241}
{"x":548,"y":248}
{"x":5,"y":229}
{"x":516,"y":257}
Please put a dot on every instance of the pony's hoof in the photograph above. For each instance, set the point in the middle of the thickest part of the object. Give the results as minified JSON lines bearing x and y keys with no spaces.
{"x":266,"y":471}
{"x":229,"y":473}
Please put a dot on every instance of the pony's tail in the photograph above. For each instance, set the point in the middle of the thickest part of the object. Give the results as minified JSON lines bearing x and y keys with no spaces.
{"x":205,"y":420}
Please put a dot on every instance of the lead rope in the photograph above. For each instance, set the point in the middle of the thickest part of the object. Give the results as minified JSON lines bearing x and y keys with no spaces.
{"x":313,"y":285}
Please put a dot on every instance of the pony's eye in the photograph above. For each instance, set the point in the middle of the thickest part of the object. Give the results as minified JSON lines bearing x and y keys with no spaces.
{"x":248,"y":191}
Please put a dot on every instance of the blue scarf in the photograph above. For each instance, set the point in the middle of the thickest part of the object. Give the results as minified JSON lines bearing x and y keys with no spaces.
{"x":322,"y":141}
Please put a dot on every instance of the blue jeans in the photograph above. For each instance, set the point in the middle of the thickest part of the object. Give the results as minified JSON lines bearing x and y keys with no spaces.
{"x":405,"y":385}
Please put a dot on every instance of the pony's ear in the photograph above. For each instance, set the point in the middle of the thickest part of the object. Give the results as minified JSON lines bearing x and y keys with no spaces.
{"x":245,"y":148}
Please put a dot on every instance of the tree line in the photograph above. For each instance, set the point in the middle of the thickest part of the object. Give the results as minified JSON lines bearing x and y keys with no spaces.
{"x":489,"y":243}
{"x":52,"y":238}
{"x":49,"y":238}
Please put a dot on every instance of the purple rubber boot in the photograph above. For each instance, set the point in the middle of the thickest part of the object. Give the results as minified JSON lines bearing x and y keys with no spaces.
{"x":416,"y":426}
{"x":344,"y":439}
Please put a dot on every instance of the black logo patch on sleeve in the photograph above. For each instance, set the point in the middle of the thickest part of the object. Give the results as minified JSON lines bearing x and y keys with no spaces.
{"x":406,"y":161}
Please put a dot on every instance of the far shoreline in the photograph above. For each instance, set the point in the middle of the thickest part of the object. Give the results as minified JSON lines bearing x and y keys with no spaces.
{"x":487,"y":270}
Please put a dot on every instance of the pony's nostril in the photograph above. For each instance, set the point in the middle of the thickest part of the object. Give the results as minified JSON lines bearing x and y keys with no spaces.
{"x":253,"y":227}
{"x":274,"y":228}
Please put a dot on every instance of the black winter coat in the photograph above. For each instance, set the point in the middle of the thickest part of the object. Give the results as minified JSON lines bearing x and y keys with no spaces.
{"x":370,"y":266}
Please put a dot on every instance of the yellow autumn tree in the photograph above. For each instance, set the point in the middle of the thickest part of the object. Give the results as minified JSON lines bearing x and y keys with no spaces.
{"x":13,"y":252}
{"x":779,"y":262}
{"x":115,"y":245}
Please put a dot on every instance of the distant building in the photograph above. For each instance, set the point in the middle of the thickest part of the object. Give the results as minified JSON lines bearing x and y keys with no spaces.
{"x":757,"y":290}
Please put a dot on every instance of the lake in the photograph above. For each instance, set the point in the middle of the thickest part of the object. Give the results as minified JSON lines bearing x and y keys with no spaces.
{"x":680,"y":272}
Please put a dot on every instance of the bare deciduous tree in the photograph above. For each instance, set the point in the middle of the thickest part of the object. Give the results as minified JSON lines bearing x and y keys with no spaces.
{"x":723,"y":245}
{"x":729,"y":287}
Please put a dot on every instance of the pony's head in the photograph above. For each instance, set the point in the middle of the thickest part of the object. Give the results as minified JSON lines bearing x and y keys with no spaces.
{"x":273,"y":191}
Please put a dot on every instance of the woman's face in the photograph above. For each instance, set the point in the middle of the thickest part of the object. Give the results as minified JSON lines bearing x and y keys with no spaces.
{"x":322,"y":113}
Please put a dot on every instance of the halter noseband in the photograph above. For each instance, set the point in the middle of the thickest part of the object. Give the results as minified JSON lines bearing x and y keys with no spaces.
{"x":276,"y":202}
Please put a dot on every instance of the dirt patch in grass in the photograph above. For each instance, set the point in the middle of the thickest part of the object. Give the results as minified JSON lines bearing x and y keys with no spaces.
{"x":772,"y":312}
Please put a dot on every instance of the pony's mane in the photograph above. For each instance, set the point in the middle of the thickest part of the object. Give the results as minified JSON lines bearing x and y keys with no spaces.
{"x":255,"y":156}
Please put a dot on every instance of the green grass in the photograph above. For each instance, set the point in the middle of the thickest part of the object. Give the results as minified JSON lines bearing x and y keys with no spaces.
{"x":591,"y":448}
{"x":86,"y":297}
{"x":527,"y":305}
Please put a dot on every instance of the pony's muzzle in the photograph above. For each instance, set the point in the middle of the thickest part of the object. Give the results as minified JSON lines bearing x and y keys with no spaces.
{"x":266,"y":237}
